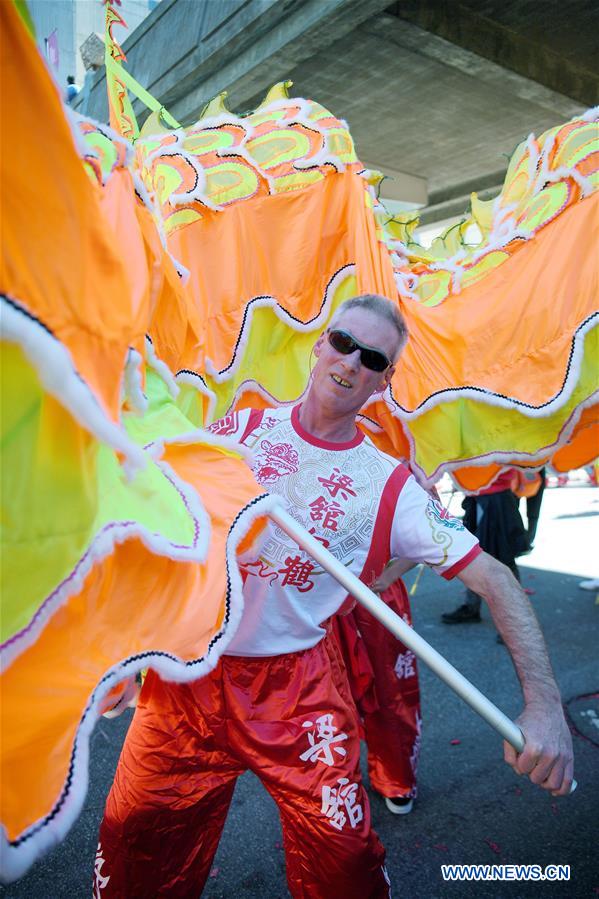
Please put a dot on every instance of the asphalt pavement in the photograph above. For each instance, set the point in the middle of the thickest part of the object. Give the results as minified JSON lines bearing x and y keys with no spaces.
{"x":471,"y":808}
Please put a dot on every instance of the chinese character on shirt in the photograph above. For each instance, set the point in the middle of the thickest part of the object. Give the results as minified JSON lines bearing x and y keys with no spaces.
{"x":297,"y":573}
{"x":338,"y":483}
{"x":327,"y":512}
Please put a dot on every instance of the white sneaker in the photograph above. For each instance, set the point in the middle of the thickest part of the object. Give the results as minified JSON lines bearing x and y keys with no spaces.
{"x":399,"y":805}
{"x":590,"y":585}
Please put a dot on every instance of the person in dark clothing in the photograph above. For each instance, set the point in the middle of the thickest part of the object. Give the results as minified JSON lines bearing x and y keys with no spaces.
{"x":533,"y":509}
{"x":494,"y":518}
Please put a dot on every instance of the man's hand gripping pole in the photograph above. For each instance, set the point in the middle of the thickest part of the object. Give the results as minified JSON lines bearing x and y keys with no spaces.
{"x":389,"y":619}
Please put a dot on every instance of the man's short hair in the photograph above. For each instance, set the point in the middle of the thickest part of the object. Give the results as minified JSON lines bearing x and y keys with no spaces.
{"x":379,"y":305}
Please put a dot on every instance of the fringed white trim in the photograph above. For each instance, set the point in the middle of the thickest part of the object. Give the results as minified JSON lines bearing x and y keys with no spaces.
{"x":406,"y":283}
{"x":45,"y":835}
{"x":323,"y":157}
{"x":101,"y":546}
{"x":200,"y":435}
{"x":197,"y":382}
{"x":287,"y":103}
{"x":502,"y":235}
{"x":269,"y":302}
{"x":302,"y":117}
{"x":533,"y":156}
{"x":506,"y":457}
{"x":591,"y":115}
{"x":149,"y":202}
{"x":488,"y":397}
{"x":243,"y":152}
{"x":198,"y":192}
{"x":224,"y":118}
{"x":84,"y":150}
{"x":55,"y":369}
{"x":451,"y":265}
{"x":543,"y":168}
{"x":563,"y":173}
{"x":255,"y":387}
{"x":161,"y":368}
{"x":132,"y":383}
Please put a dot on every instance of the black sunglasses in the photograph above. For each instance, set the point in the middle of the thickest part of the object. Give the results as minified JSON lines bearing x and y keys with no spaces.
{"x":346,"y":344}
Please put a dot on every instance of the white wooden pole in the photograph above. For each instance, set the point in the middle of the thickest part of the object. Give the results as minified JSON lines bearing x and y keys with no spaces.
{"x":389,"y":619}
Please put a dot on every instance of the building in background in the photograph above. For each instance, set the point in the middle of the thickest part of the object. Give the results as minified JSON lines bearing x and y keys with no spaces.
{"x":62,"y":26}
{"x":437,"y":93}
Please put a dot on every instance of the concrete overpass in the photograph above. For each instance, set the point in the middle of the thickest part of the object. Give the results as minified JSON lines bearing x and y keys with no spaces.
{"x":437,"y":93}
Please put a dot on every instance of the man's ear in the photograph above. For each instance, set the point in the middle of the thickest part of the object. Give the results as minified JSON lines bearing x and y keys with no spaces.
{"x":386,"y":379}
{"x":318,"y":345}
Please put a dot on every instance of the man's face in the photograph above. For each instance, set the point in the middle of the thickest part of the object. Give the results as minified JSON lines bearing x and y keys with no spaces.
{"x":341,"y":383}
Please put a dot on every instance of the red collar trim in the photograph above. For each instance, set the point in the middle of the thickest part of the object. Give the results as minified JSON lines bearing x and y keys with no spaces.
{"x":316,"y":441}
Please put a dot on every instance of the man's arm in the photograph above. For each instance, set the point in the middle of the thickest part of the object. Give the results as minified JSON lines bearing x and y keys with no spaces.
{"x":547,"y":757}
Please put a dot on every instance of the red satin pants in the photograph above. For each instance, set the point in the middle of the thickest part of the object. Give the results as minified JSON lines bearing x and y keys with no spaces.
{"x":292,"y":721}
{"x":383,"y":677}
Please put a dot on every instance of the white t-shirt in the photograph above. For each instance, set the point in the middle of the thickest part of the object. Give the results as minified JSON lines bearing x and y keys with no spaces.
{"x":358,"y":501}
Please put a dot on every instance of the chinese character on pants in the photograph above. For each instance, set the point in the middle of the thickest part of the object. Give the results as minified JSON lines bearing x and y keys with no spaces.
{"x":297,"y":574}
{"x":339,"y":804}
{"x":326,"y":736}
{"x":404,"y":666}
{"x":100,"y":882}
{"x":338,"y":483}
{"x":326,"y":512}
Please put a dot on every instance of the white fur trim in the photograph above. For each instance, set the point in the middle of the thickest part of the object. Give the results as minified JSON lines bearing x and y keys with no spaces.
{"x":224,"y":118}
{"x":563,"y":173}
{"x":16,"y":860}
{"x":505,"y":458}
{"x":149,"y":202}
{"x":101,"y":546}
{"x":533,"y":156}
{"x":483,"y":395}
{"x":269,"y":302}
{"x":161,"y":368}
{"x":200,"y":435}
{"x":132,"y":383}
{"x":198,"y":192}
{"x":192,"y":379}
{"x":84,"y":150}
{"x":591,"y":115}
{"x":56,"y":371}
{"x":243,"y":152}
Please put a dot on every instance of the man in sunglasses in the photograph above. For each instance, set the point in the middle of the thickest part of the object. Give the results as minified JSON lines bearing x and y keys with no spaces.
{"x":278,"y":702}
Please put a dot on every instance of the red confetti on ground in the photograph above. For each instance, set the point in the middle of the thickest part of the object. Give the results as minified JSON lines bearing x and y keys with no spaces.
{"x":278,"y":845}
{"x":455,"y":742}
{"x":441,"y":847}
{"x":517,"y":791}
{"x":554,"y":808}
{"x":529,"y":592}
{"x":214,"y":872}
{"x":493,"y":846}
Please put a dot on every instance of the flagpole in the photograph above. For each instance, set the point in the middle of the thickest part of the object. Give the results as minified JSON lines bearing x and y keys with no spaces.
{"x":389,"y":619}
